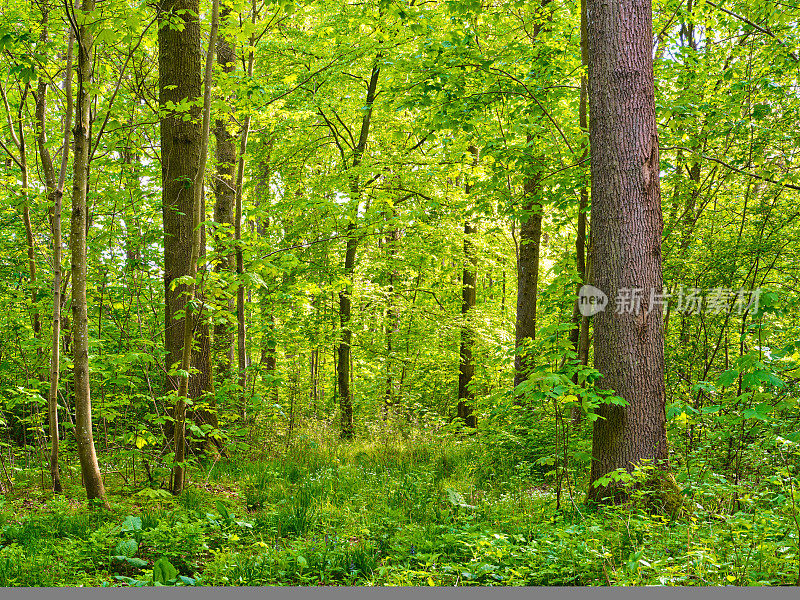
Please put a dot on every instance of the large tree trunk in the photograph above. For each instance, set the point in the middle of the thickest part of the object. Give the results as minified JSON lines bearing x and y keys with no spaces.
{"x":225,"y":201}
{"x":179,"y":471}
{"x":92,"y":479}
{"x":626,"y":240}
{"x":179,"y":67}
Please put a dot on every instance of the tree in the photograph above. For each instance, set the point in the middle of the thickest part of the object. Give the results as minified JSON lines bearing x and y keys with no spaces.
{"x":530,"y":242}
{"x":626,"y":244}
{"x":224,"y":207}
{"x":55,"y":193}
{"x":92,"y":479}
{"x":179,"y":67}
{"x":189,"y":322}
{"x":344,"y":348}
{"x":466,"y":365}
{"x":241,"y":350}
{"x":530,"y":238}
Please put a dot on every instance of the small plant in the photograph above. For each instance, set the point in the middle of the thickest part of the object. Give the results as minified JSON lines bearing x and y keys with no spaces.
{"x":163,"y":574}
{"x":191,"y":499}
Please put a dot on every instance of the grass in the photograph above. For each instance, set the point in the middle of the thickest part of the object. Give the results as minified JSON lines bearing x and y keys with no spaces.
{"x":416,"y":511}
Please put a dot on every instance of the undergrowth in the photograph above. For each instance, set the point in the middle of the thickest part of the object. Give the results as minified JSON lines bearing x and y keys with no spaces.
{"x":426,"y":510}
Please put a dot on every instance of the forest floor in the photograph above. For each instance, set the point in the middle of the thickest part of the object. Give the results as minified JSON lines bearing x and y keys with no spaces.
{"x":421,"y":510}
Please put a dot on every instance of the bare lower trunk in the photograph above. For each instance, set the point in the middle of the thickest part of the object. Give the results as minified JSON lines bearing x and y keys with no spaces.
{"x":392,"y":323}
{"x":179,"y":471}
{"x":179,"y":79}
{"x":528,"y":272}
{"x":269,"y":355}
{"x":466,"y":367}
{"x":465,"y":408}
{"x":344,"y":350}
{"x":626,"y":240}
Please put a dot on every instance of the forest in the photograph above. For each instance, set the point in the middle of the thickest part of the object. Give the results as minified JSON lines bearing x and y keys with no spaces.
{"x":399,"y":293}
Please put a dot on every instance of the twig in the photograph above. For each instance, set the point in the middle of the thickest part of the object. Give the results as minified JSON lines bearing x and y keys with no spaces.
{"x":735,"y":169}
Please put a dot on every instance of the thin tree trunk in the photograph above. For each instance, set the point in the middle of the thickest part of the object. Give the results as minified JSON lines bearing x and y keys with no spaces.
{"x":530,"y":242}
{"x":90,"y":469}
{"x":346,"y":430}
{"x":26,"y":219}
{"x":241,"y":348}
{"x":581,"y":323}
{"x":313,"y":375}
{"x":179,"y":471}
{"x":392,"y":322}
{"x":55,"y":194}
{"x":626,"y":245}
{"x":269,"y":355}
{"x":466,"y":366}
{"x":530,"y":238}
{"x":344,"y":350}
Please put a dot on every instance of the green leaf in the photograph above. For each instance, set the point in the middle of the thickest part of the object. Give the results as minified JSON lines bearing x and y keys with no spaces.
{"x":728,"y":377}
{"x":456,"y":499}
{"x":759,"y":412}
{"x":163,"y":571}
{"x":153,"y":494}
{"x":135,"y":562}
{"x":131,"y":523}
{"x":128,"y":547}
{"x":223,"y":511}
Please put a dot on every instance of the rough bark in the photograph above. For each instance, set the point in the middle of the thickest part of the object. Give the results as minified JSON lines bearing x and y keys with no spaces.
{"x":92,"y":479}
{"x":179,"y":471}
{"x":224,"y":205}
{"x":626,"y":239}
{"x":179,"y":65}
{"x":530,"y":237}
